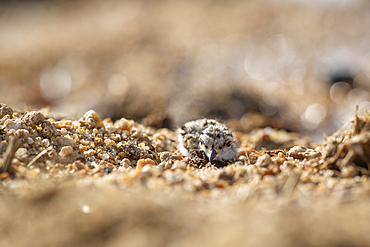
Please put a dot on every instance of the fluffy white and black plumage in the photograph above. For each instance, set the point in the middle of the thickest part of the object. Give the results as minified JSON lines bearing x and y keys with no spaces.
{"x":214,"y":138}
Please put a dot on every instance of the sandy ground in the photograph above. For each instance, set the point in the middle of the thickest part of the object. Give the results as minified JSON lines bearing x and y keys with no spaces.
{"x":100,"y":213}
{"x":55,"y":192}
{"x":102,"y":179}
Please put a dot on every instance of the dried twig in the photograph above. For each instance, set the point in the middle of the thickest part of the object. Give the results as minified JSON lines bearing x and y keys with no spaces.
{"x":39,"y":155}
{"x":9,"y":154}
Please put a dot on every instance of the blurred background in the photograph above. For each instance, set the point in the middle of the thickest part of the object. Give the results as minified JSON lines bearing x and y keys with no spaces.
{"x":300,"y":65}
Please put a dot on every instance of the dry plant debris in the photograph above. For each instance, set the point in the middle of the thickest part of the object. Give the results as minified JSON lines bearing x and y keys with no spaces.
{"x":349,"y":151}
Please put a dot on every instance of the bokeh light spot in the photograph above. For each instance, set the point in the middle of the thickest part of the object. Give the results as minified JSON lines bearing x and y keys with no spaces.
{"x":338,"y":92}
{"x":313,"y":116}
{"x":55,"y":84}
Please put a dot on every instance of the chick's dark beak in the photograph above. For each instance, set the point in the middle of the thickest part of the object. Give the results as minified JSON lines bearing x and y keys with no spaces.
{"x":212,"y":155}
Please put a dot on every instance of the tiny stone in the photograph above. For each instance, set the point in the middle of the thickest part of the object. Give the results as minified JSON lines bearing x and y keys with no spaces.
{"x":64,"y":131}
{"x":125,"y":163}
{"x":264,"y":161}
{"x":5,"y":110}
{"x":45,"y":143}
{"x":349,"y":172}
{"x":105,"y":157}
{"x":108,"y":169}
{"x":21,"y":154}
{"x":65,"y":151}
{"x":30,"y":140}
{"x":33,"y":118}
{"x":91,"y":118}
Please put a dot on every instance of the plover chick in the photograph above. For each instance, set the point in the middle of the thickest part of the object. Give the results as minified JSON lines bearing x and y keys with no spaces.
{"x":214,"y":138}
